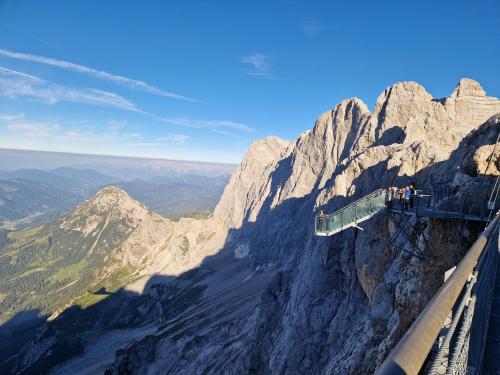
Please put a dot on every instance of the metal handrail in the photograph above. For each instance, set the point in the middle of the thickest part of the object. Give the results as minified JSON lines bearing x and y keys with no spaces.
{"x":368,"y":197}
{"x":353,"y":206}
{"x":412,"y":350}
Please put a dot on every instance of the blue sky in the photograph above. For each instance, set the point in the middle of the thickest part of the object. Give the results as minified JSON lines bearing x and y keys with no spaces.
{"x":201,"y":80}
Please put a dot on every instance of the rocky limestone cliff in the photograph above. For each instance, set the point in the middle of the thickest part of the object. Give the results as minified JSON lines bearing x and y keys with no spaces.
{"x":241,"y":200}
{"x":333,"y":305}
{"x":276,"y":298}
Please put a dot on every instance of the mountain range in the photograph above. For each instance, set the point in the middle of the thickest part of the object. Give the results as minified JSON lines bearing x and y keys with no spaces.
{"x":33,"y":196}
{"x":116,"y":288}
{"x":118,"y":167}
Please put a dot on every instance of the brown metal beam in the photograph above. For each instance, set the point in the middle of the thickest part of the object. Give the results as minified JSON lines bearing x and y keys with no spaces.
{"x":412,"y":350}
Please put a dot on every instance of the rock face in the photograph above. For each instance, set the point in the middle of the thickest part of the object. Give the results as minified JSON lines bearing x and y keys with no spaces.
{"x":335,"y":305}
{"x":242,"y":197}
{"x":276,"y":298}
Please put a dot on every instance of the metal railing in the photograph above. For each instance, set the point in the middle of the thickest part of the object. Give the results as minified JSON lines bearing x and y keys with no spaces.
{"x":441,"y":204}
{"x":352,"y":214}
{"x":412,"y":351}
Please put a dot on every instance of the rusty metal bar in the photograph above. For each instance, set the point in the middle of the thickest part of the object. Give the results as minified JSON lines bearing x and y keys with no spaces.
{"x":412,"y":350}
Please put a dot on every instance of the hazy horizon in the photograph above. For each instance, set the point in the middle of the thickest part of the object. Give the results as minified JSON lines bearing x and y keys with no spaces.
{"x":116,"y":156}
{"x":123,"y":167}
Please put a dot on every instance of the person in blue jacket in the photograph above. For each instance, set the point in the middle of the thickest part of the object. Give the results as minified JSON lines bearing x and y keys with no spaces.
{"x":407,"y":196}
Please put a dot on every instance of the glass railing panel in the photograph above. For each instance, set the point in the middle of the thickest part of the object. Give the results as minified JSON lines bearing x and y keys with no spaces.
{"x":328,"y":224}
{"x":320,"y":225}
{"x":335,"y":223}
{"x":348,"y":215}
{"x":378,"y":202}
{"x":359,"y":210}
{"x":363,"y":209}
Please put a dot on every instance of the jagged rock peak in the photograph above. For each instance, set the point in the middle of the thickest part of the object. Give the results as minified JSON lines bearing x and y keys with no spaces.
{"x":242,"y":195}
{"x":407,"y":90}
{"x":340,"y":111}
{"x":352,"y":104}
{"x":469,"y":106}
{"x":405,"y":114}
{"x":468,"y":87}
{"x":270,"y":144}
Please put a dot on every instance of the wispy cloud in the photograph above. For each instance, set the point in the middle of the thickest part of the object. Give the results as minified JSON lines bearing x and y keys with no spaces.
{"x":259,"y":64}
{"x":16,"y":84}
{"x":44,"y":130}
{"x":132,"y":136}
{"x":312,"y":27}
{"x":29,"y":129}
{"x":205,"y":124}
{"x":8,"y":118}
{"x":120,"y":80}
{"x":71,"y":133}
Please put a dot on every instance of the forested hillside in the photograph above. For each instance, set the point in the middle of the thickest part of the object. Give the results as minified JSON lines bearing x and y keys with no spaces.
{"x":48,"y":266}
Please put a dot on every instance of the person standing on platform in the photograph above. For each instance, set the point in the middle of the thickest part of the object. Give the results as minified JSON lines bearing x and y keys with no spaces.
{"x":407,"y":196}
{"x":412,"y":196}
{"x":402,"y":194}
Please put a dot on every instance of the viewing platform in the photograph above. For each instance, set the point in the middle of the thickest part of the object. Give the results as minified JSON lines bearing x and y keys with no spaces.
{"x":387,"y":201}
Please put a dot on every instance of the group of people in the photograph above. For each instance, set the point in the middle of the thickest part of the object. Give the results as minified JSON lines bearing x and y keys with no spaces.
{"x":407,"y":196}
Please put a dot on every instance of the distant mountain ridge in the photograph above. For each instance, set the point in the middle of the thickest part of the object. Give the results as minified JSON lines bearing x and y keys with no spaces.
{"x":120,"y":167}
{"x":63,"y":176}
{"x":178,"y":196}
{"x":30,"y":196}
{"x":39,"y":196}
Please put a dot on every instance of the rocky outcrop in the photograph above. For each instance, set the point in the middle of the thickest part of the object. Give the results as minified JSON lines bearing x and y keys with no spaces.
{"x":469,"y":105}
{"x":242,"y":198}
{"x":480,"y":154}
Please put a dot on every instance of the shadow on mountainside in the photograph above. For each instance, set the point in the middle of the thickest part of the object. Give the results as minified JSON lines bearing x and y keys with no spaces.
{"x":16,"y":332}
{"x":33,"y":345}
{"x":218,"y":290}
